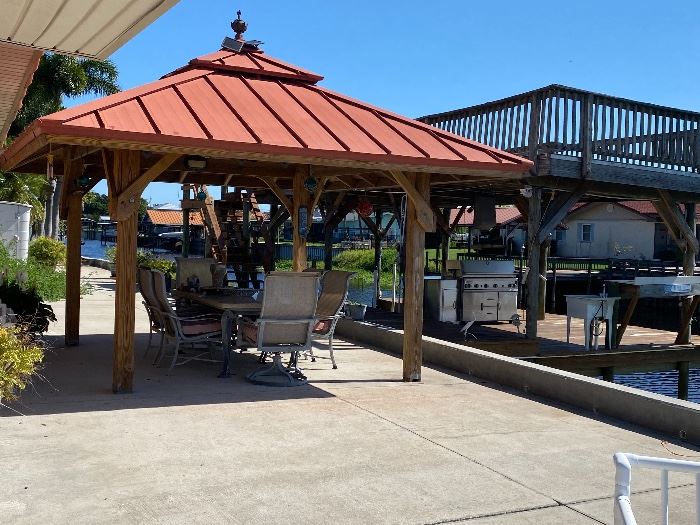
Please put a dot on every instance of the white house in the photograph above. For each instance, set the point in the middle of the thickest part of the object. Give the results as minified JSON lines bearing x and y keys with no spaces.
{"x":603,"y":230}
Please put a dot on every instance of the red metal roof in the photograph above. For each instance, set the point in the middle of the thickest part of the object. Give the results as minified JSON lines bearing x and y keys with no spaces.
{"x":246,"y":104}
{"x":173,"y":217}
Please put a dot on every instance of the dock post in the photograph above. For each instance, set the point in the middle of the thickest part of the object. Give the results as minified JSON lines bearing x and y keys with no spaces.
{"x":684,"y":335}
{"x":683,"y":379}
{"x":608,"y":373}
{"x":533,"y":262}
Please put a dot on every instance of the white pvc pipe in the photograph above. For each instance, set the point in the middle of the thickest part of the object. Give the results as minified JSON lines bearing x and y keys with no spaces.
{"x":664,"y":497}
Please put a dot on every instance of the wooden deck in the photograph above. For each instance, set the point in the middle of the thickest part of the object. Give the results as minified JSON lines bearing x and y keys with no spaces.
{"x":642,"y":349}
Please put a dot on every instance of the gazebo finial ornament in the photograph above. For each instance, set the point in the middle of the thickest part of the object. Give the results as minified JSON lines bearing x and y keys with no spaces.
{"x":239,"y":27}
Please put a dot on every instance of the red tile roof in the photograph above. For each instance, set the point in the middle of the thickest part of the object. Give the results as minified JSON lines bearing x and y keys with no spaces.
{"x":503,"y":215}
{"x":248,"y":104}
{"x":173,"y":217}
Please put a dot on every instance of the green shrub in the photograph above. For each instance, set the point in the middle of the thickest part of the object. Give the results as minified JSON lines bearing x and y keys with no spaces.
{"x":111,"y":254}
{"x":47,"y":251}
{"x":48,"y":283}
{"x":364,"y":260}
{"x":19,"y":359}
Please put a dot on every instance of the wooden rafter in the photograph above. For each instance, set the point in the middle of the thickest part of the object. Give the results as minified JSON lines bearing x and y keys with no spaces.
{"x":677,"y":221}
{"x":424,"y":214}
{"x":558,"y":208}
{"x":129,"y":199}
{"x":279,"y":193}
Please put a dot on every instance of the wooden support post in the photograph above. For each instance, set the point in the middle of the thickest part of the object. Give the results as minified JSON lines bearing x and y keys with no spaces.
{"x":533,"y":262}
{"x":683,"y":379}
{"x":301,"y":198}
{"x":542,"y":294}
{"x":126,"y":171}
{"x":627,"y":317}
{"x":413,"y":280}
{"x":445,"y":242}
{"x":608,"y":373}
{"x":186,"y":224}
{"x":684,"y":335}
{"x":74,"y":225}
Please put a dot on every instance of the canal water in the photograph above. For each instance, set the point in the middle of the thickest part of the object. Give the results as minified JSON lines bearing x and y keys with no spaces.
{"x":665,"y":383}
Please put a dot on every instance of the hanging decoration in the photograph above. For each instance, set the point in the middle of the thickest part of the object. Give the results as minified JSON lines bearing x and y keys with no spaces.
{"x":364,"y":208}
{"x":310,"y":184}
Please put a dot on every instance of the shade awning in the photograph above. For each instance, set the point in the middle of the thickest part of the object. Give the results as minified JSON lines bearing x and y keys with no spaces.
{"x":248,"y":105}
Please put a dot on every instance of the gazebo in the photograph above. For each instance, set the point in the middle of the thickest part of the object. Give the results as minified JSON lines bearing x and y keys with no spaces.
{"x":240,"y":117}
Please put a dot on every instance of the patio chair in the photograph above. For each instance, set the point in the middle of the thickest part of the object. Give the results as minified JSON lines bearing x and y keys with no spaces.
{"x":185,"y":330}
{"x":153,"y":309}
{"x":284,"y":326}
{"x":334,"y":292}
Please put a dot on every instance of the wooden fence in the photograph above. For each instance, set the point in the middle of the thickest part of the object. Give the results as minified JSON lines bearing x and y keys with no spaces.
{"x":568,"y":121}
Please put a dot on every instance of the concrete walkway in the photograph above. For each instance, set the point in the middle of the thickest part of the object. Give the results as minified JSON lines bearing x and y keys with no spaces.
{"x":356,"y":445}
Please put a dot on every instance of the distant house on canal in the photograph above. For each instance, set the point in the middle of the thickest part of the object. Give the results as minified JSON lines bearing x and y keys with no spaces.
{"x":599,"y":230}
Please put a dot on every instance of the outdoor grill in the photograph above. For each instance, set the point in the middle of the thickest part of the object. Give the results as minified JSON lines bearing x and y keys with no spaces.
{"x":489,"y":291}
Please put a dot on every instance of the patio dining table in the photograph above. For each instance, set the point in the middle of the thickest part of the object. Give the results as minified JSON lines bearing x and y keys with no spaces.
{"x":232,"y":306}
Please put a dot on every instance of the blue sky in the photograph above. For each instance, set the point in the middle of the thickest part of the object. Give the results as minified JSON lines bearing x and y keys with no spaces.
{"x":417,"y":58}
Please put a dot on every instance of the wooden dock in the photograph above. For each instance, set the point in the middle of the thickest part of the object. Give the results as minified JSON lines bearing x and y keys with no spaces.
{"x":641,"y":349}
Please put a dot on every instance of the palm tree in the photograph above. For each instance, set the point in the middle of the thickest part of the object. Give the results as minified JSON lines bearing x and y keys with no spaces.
{"x":60,"y":76}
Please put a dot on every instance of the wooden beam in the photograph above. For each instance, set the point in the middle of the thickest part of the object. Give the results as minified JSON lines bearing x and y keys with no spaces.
{"x":279,"y":193}
{"x":129,"y":199}
{"x":126,"y":171}
{"x":678,"y":219}
{"x":424,"y":214}
{"x":440,"y":219}
{"x":558,"y":208}
{"x":460,"y":213}
{"x":413,"y":279}
{"x":72,"y":170}
{"x":318,"y":193}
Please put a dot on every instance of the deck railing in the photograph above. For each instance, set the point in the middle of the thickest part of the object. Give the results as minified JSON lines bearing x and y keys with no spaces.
{"x":578,"y":123}
{"x":623,"y":514}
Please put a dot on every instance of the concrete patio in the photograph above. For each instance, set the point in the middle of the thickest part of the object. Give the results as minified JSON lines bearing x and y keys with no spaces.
{"x":356,"y":445}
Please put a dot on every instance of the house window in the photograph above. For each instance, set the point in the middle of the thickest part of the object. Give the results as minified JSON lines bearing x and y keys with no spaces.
{"x":559,"y":235}
{"x":585,"y":233}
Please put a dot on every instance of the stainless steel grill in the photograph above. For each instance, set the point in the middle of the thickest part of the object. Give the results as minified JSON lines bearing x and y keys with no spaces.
{"x":488,"y":295}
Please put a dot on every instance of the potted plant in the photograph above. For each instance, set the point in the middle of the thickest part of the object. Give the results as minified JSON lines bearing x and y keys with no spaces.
{"x":356,"y":311}
{"x":111,"y":254}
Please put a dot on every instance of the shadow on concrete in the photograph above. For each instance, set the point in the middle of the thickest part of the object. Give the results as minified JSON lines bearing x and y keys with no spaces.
{"x":79,"y":379}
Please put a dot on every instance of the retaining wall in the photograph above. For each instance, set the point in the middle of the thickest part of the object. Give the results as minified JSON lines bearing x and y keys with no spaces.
{"x":654,"y":411}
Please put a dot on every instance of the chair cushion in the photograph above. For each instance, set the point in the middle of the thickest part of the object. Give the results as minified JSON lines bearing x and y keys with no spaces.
{"x":202,"y":327}
{"x":322,"y":326}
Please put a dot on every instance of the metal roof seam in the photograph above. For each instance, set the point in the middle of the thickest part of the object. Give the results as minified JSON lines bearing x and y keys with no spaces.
{"x":400,"y":133}
{"x":196,"y":117}
{"x":351,"y":119}
{"x":314,"y":116}
{"x":252,"y":59}
{"x":149,"y":117}
{"x":51,"y":21}
{"x":235,"y":113}
{"x":99,"y":118}
{"x":448,"y":145}
{"x":424,"y":127}
{"x":78,"y":23}
{"x":110,"y":22}
{"x":274,"y":113}
{"x":118,"y":101}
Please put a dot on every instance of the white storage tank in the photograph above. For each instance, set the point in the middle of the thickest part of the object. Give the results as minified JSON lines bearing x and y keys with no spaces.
{"x":15,"y":225}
